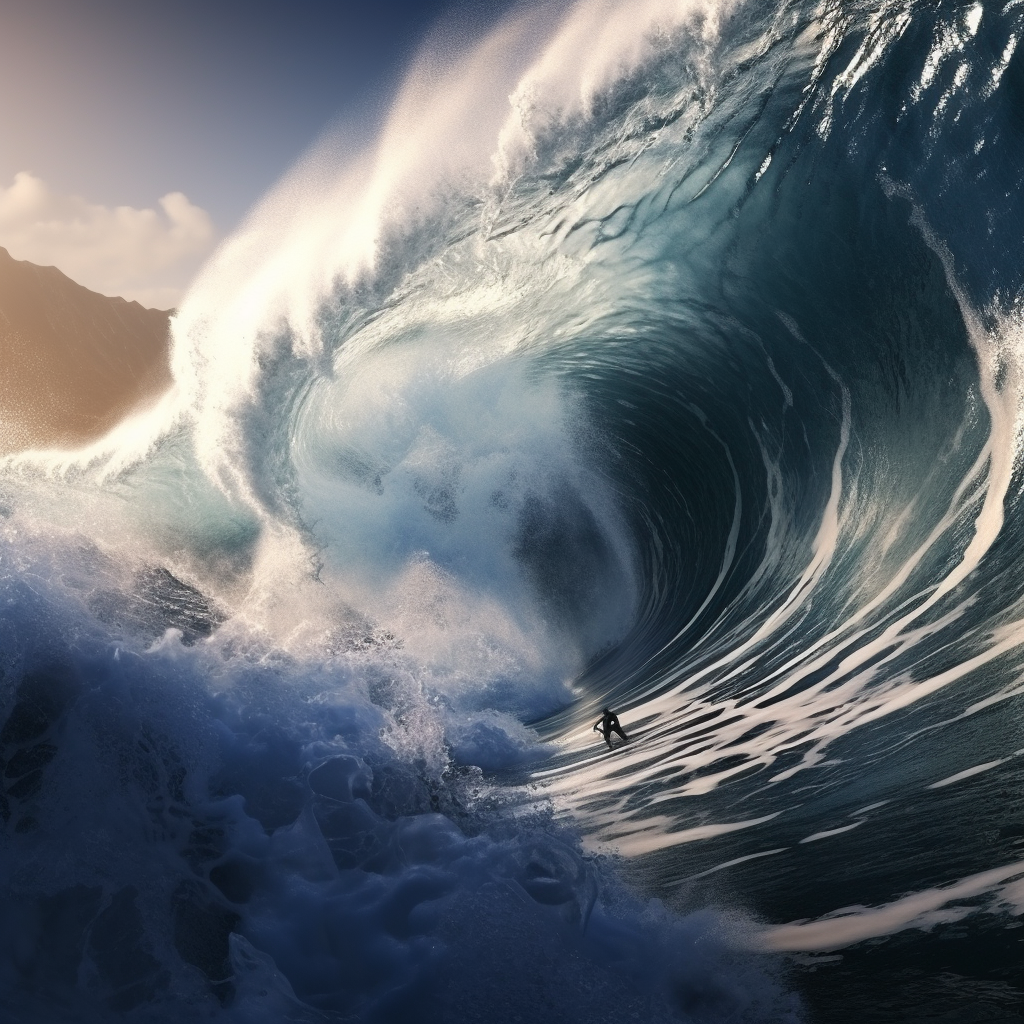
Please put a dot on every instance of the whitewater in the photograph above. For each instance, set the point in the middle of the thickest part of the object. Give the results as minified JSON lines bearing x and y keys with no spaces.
{"x":666,"y":356}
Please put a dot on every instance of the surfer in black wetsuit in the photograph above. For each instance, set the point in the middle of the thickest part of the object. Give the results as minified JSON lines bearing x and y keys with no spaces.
{"x":609,"y":723}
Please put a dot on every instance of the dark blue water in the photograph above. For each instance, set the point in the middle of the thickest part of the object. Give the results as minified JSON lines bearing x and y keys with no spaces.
{"x":665,"y":357}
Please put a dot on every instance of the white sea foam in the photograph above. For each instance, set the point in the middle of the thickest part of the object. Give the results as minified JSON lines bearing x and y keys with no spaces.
{"x":921,"y":910}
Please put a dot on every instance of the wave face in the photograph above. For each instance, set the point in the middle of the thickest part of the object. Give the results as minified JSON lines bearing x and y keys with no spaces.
{"x":665,"y":357}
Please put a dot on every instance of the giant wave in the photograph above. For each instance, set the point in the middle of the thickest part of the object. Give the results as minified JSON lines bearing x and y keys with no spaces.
{"x":664,"y":356}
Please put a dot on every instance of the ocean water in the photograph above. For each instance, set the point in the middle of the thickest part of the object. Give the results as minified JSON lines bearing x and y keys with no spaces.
{"x":666,"y":356}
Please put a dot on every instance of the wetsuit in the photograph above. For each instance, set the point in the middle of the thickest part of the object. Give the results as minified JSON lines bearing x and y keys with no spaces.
{"x":608,"y":724}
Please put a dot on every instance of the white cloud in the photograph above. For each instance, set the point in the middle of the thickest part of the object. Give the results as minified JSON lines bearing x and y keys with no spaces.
{"x":148,"y":255}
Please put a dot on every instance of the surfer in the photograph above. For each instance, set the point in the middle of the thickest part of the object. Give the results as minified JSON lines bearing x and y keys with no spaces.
{"x":609,"y":723}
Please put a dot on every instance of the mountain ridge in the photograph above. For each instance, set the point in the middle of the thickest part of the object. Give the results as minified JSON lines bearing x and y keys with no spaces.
{"x":73,"y":362}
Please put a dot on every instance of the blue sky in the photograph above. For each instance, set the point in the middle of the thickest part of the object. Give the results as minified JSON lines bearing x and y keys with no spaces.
{"x":108,"y":104}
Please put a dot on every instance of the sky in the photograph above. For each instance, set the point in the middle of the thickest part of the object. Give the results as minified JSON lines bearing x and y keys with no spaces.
{"x":135,"y":134}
